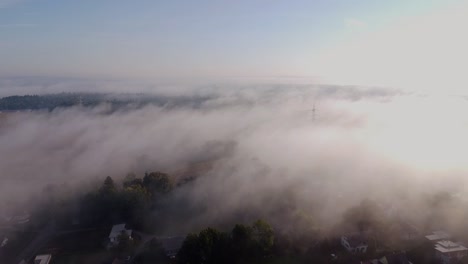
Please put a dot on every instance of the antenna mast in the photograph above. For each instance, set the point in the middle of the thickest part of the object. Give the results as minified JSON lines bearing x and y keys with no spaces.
{"x":314,"y":110}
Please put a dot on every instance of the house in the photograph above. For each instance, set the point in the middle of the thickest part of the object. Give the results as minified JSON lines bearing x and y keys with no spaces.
{"x":116,"y":231}
{"x":438,"y":235}
{"x":354,"y":243}
{"x":16,"y":219}
{"x":21,"y":218}
{"x":450,"y":252}
{"x":171,"y":245}
{"x":43,"y":259}
{"x":4,"y":242}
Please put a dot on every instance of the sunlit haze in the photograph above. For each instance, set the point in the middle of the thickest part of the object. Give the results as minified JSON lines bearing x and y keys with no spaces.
{"x":418,"y":45}
{"x":233,"y":132}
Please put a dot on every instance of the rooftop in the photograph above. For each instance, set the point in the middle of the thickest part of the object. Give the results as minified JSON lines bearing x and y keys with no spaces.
{"x":355,"y":240}
{"x":449,"y":246}
{"x":4,"y":242}
{"x":42,"y":259}
{"x":438,"y":235}
{"x":117,"y":230}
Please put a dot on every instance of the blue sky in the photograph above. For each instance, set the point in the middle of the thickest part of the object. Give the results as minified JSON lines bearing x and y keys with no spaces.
{"x":200,"y":39}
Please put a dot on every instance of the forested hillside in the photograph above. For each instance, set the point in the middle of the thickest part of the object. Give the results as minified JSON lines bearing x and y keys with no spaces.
{"x":61,"y":100}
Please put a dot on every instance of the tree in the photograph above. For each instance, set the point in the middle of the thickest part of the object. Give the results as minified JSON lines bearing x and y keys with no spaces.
{"x":190,"y":252}
{"x":243,"y":245}
{"x":157,"y":183}
{"x":264,"y":236}
{"x":211,"y":245}
{"x":131,"y":180}
{"x":242,"y":242}
{"x":135,"y":202}
{"x":108,"y":185}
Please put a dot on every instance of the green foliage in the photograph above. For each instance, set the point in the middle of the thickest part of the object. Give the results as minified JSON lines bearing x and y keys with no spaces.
{"x":263,"y":235}
{"x":209,"y":246}
{"x":52,"y":101}
{"x":190,"y":251}
{"x":157,"y":183}
{"x":131,"y":180}
{"x":243,"y":244}
{"x":128,"y":204}
{"x":242,"y":241}
{"x":108,"y":185}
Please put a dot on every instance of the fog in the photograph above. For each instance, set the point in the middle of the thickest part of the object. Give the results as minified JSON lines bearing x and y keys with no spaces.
{"x":264,"y":146}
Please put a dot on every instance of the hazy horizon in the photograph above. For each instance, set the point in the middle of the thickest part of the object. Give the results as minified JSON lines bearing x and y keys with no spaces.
{"x":297,"y":112}
{"x":417,"y":45}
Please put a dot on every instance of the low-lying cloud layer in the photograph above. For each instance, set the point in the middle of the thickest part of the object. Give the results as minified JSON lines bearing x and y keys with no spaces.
{"x":264,"y":146}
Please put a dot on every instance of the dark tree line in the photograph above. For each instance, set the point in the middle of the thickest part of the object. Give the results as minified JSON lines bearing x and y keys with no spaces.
{"x":243,"y":244}
{"x":128,"y":203}
{"x":52,"y":101}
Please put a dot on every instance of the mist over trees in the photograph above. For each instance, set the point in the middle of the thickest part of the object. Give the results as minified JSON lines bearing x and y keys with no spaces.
{"x":128,"y":203}
{"x":240,"y":156}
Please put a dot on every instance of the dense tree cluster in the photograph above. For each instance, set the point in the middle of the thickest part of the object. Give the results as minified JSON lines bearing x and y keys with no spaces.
{"x":35,"y":102}
{"x":52,"y":101}
{"x":128,"y":203}
{"x":243,"y":244}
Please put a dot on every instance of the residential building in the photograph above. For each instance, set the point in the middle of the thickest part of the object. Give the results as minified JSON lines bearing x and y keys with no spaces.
{"x":116,"y":231}
{"x":43,"y":259}
{"x":450,"y":252}
{"x":354,"y":243}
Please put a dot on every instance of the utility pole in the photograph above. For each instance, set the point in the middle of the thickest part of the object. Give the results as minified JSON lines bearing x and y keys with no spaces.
{"x":314,"y":110}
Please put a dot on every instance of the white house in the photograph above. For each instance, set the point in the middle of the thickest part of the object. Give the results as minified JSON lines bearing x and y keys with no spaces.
{"x":116,"y":231}
{"x":354,"y":243}
{"x":43,"y":259}
{"x":450,"y":252}
{"x":4,"y":242}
